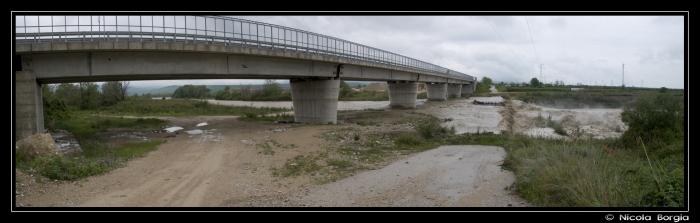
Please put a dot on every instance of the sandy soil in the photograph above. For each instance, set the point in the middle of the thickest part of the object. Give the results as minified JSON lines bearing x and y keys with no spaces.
{"x":218,"y":165}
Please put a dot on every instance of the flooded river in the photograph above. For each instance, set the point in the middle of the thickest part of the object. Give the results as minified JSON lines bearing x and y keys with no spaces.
{"x":342,"y":105}
{"x":468,"y":117}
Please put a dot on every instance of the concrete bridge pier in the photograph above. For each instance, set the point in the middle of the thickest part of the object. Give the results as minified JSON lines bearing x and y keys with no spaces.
{"x":315,"y":100}
{"x":468,"y":88}
{"x":29,"y":110}
{"x":402,"y":94}
{"x":454,"y":90}
{"x":437,"y":91}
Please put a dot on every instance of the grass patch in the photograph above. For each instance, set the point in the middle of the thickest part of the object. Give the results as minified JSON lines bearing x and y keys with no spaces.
{"x":407,"y":139}
{"x":181,"y":107}
{"x":266,"y":149}
{"x":94,"y":160}
{"x":341,"y":164}
{"x":133,"y":150}
{"x":85,"y":125}
{"x":96,"y":157}
{"x":297,"y":165}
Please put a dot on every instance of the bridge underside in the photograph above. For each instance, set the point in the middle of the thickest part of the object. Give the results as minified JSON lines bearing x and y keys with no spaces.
{"x":314,"y":83}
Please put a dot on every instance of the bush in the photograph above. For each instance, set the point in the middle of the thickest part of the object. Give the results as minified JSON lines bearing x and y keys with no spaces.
{"x":427,"y":128}
{"x":407,"y":139}
{"x":54,"y":110}
{"x":658,"y":119}
{"x":669,"y":192}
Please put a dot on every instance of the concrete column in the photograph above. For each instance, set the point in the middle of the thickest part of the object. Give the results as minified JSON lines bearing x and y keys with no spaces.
{"x":29,"y":107}
{"x":315,"y":101}
{"x":402,"y":95}
{"x":454,"y":90}
{"x":468,"y":88}
{"x":437,"y":91}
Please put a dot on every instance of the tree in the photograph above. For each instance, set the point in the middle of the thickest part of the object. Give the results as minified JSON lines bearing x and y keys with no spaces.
{"x":89,"y":95}
{"x":535,"y":83}
{"x":191,"y":91}
{"x":487,"y":81}
{"x":271,"y":88}
{"x":345,"y":89}
{"x":224,"y":94}
{"x":114,"y":92}
{"x":69,"y":93}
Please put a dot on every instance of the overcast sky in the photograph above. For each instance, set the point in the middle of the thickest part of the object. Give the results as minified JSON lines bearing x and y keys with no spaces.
{"x":573,"y":49}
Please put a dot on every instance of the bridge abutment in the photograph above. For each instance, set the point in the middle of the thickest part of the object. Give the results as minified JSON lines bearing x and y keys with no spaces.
{"x":315,"y":101}
{"x":437,"y":91}
{"x":402,"y":95}
{"x":29,"y":111}
{"x":454,"y":90}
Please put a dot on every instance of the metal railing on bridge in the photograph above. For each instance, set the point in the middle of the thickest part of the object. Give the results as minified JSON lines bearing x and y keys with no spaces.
{"x":217,"y":30}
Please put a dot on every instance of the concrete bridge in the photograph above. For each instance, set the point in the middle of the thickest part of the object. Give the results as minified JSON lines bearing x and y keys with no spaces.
{"x":117,"y":48}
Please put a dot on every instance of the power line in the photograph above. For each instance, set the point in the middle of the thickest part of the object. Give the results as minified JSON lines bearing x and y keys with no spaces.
{"x":533,"y":42}
{"x":499,"y":36}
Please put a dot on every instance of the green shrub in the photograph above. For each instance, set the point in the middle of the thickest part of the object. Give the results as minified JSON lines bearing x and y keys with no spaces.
{"x":428,"y":128}
{"x":407,"y":140}
{"x":658,"y":119}
{"x":670,"y":191}
{"x":54,"y":110}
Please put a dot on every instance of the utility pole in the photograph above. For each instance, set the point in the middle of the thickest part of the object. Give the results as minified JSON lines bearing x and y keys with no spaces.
{"x":623,"y":75}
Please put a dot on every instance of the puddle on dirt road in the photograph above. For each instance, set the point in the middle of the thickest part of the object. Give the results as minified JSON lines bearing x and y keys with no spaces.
{"x":173,"y":129}
{"x":195,"y":132}
{"x":202,"y":124}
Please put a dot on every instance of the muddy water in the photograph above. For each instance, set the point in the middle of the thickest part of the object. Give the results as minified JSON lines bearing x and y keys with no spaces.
{"x":468,"y":117}
{"x":598,"y":123}
{"x":465,"y":116}
{"x":342,"y":105}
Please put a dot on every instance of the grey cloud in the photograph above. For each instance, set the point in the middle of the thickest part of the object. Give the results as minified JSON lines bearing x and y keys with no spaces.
{"x":557,"y":22}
